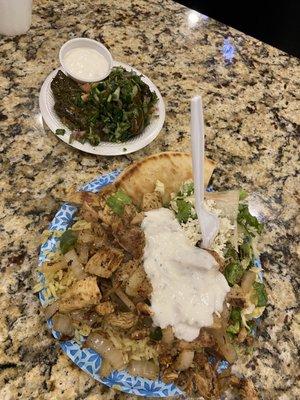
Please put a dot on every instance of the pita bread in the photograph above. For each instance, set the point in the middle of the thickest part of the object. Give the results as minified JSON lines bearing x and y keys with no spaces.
{"x":170,"y":168}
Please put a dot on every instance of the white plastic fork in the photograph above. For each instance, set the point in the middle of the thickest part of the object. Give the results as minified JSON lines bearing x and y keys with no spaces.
{"x":209,"y":222}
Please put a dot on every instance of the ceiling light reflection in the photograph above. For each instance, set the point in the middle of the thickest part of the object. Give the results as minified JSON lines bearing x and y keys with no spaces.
{"x":193,"y":18}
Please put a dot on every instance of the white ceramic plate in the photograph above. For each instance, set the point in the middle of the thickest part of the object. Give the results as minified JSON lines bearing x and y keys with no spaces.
{"x":46,"y":102}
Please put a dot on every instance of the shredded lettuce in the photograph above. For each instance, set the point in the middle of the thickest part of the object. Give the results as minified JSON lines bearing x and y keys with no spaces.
{"x":261,"y":294}
{"x":250,"y":223}
{"x":117,"y":202}
{"x":235,"y":320}
{"x":187,"y":189}
{"x":233,"y":272}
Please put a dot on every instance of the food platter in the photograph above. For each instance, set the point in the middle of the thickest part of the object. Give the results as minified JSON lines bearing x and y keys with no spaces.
{"x":46,"y":103}
{"x":84,"y":357}
{"x":87,"y":359}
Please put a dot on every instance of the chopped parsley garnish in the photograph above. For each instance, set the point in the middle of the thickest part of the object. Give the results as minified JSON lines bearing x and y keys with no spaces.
{"x":67,"y":241}
{"x":118,"y":201}
{"x":60,"y":131}
{"x":184,"y":210}
{"x":261,"y":294}
{"x":248,"y":221}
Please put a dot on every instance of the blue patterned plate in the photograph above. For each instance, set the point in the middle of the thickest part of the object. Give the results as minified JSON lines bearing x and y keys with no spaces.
{"x":87,"y":359}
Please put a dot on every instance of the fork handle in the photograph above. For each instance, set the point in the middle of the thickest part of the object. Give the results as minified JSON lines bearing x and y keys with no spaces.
{"x":197,"y":134}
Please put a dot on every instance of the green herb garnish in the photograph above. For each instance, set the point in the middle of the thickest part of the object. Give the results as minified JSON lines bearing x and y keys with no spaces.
{"x":261,"y":294}
{"x":233,"y":328}
{"x":235,"y":318}
{"x":243,"y":194}
{"x":235,"y":315}
{"x":184,"y":210}
{"x":248,"y":221}
{"x":156,"y":334}
{"x":67,"y":241}
{"x":60,"y":131}
{"x":187,"y":189}
{"x":233,"y":272}
{"x":117,"y":202}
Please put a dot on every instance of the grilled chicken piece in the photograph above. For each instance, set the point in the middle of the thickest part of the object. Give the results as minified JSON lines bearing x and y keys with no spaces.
{"x":83,"y":293}
{"x":138,"y":284}
{"x":203,"y":385}
{"x":204,"y":340}
{"x":151,"y":201}
{"x":138,"y":219}
{"x":104,"y":262}
{"x":79,"y":198}
{"x":140,"y":334}
{"x":124,"y":272}
{"x":245,"y":387}
{"x":169,"y":376}
{"x":85,"y":237}
{"x":248,"y":391}
{"x":144,"y":309}
{"x":122,"y":320}
{"x":129,"y":213}
{"x":104,"y":308}
{"x":132,"y":239}
{"x":89,"y":212}
{"x":109,"y":218}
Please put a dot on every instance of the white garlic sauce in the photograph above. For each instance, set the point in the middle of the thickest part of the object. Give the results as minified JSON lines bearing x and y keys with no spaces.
{"x":85,"y":63}
{"x":187,"y":285}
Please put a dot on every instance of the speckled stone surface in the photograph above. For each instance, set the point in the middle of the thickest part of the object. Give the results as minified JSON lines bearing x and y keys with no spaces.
{"x":252,"y":116}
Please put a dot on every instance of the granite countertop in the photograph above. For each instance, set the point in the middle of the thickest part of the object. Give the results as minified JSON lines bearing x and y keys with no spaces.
{"x":252,"y":118}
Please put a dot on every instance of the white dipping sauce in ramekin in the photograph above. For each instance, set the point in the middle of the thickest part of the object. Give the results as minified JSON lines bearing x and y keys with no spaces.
{"x":85,"y":63}
{"x":85,"y":60}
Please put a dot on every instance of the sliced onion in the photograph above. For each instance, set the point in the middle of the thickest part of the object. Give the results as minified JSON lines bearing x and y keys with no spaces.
{"x":122,"y":296}
{"x":184,"y":360}
{"x":86,"y":316}
{"x":145,"y":369}
{"x":225,"y":347}
{"x":63,"y":324}
{"x":74,"y":264}
{"x":51,"y":310}
{"x":168,"y":335}
{"x":106,"y":348}
{"x":106,"y":368}
{"x":247,"y":281}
